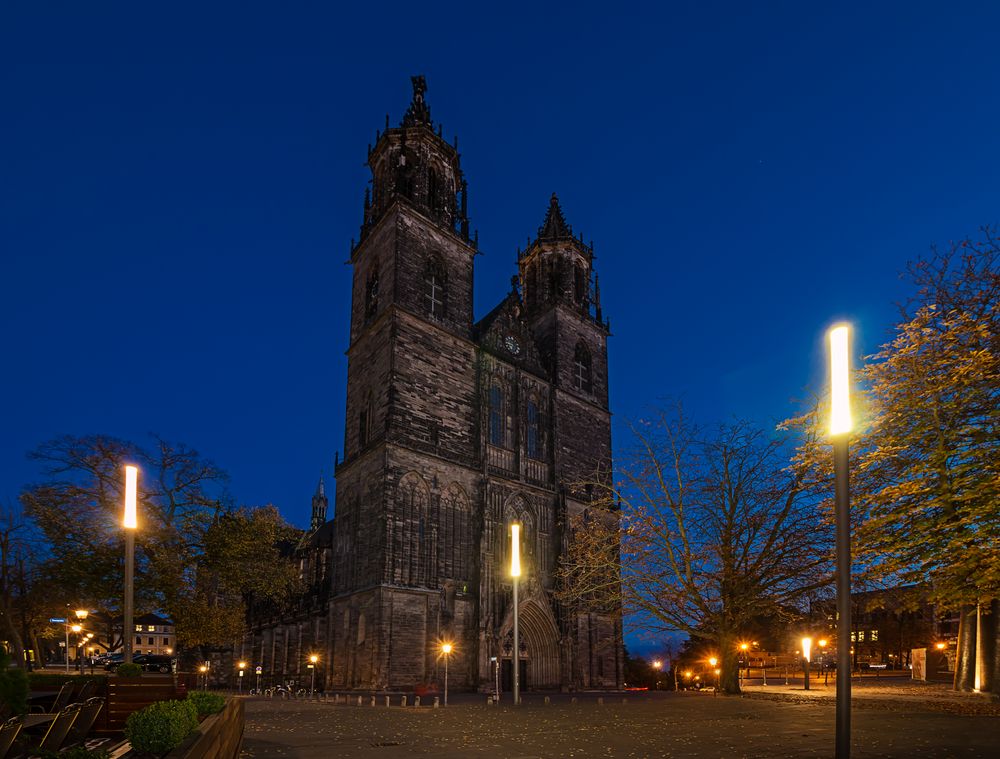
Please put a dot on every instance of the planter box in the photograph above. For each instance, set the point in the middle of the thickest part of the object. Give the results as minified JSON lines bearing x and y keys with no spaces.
{"x":130,"y":694}
{"x":219,"y":736}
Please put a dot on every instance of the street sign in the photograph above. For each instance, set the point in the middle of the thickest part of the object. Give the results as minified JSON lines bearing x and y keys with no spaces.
{"x":259,"y":670}
{"x":241,"y":673}
{"x":57,"y":619}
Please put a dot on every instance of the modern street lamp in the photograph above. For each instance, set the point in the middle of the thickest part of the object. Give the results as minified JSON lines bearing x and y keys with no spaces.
{"x":515,"y":573}
{"x":130,"y":523}
{"x":446,"y":650}
{"x":313,"y":658}
{"x":840,"y":430}
{"x":242,"y":666}
{"x":806,"y":649}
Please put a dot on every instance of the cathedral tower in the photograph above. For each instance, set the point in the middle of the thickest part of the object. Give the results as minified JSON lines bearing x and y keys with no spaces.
{"x":454,"y":429}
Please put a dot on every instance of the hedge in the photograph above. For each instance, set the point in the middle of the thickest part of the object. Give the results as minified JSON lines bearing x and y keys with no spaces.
{"x":207,"y":703}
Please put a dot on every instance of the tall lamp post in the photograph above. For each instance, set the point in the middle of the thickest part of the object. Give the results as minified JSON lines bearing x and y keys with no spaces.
{"x":806,"y":649}
{"x":515,"y":573}
{"x":129,"y":523}
{"x":446,"y":650}
{"x":840,"y":430}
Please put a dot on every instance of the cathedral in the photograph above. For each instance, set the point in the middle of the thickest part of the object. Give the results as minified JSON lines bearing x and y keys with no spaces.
{"x":455,"y":429}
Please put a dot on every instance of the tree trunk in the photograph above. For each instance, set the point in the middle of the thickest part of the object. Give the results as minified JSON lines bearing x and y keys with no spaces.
{"x":988,"y":654}
{"x":965,"y":654}
{"x":729,"y":663}
{"x":15,"y":646}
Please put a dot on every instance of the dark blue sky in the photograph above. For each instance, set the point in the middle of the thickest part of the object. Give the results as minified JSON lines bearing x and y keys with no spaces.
{"x":178,"y":189}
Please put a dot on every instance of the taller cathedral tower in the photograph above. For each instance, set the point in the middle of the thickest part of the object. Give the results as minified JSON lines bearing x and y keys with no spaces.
{"x":454,"y":429}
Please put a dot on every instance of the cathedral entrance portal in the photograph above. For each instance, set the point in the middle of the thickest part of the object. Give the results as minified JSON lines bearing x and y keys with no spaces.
{"x":539,"y":639}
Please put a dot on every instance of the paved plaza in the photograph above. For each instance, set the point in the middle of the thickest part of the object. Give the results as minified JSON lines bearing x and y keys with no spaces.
{"x":683,"y":724}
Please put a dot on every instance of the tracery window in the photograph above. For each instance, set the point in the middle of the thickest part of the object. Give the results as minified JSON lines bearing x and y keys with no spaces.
{"x":497,"y":436}
{"x":435,"y":288}
{"x":582,"y":375}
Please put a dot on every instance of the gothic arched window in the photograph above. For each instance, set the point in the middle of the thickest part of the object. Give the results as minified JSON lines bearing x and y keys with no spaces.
{"x":582,"y":376}
{"x":533,"y":437}
{"x":497,"y":436}
{"x":432,"y":189}
{"x":365,"y":422}
{"x":371,"y":294}
{"x":435,"y":288}
{"x":580,"y":284}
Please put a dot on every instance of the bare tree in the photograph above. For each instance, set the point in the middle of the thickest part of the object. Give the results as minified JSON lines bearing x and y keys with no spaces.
{"x":711,"y":532}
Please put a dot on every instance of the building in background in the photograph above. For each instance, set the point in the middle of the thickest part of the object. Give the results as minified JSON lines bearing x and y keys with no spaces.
{"x":454,"y":430}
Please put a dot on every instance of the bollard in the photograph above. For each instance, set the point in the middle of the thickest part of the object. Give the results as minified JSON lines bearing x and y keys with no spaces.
{"x":489,"y":700}
{"x":336,"y":699}
{"x":359,"y":700}
{"x":436,"y":702}
{"x":373,"y":700}
{"x":416,"y":700}
{"x":386,"y":700}
{"x":600,"y":700}
{"x":573,"y":700}
{"x":402,"y":701}
{"x":548,"y":700}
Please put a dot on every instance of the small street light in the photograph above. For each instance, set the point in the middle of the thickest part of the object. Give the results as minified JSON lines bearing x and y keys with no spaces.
{"x":656,"y":665}
{"x":204,"y":676}
{"x":446,"y":650}
{"x":718,"y":672}
{"x":242,"y":666}
{"x":313,"y":658}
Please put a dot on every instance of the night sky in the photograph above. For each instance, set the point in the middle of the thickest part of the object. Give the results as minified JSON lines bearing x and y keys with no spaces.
{"x":179,"y":188}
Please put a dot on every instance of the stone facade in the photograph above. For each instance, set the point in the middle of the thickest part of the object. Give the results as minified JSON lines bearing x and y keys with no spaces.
{"x":454,"y":429}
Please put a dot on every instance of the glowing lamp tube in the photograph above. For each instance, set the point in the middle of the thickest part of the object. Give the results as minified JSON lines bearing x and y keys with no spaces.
{"x":515,"y":550}
{"x":131,"y":486}
{"x":840,"y":384}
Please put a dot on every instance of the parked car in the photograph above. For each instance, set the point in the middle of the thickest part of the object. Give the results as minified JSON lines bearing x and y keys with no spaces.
{"x":154,"y":662}
{"x":148,"y":662}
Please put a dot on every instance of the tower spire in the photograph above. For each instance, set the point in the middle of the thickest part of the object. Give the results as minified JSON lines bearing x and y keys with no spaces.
{"x":418,"y":112}
{"x":555,"y":227}
{"x":319,"y":504}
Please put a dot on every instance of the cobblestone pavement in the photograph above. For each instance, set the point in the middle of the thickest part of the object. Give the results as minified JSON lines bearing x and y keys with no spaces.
{"x":650,"y":725}
{"x":887,"y":695}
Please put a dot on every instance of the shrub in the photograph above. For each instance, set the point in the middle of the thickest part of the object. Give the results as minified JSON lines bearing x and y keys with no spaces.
{"x":129,"y":670}
{"x":161,"y":727}
{"x":207,"y":703}
{"x":13,"y":686}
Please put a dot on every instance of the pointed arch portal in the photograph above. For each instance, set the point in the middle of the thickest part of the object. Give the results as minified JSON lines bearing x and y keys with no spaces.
{"x":539,"y":645}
